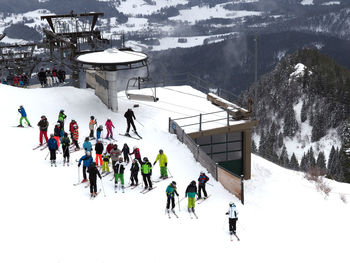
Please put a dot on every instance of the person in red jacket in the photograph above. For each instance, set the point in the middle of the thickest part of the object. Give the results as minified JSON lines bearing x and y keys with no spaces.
{"x":75,"y":136}
{"x":71,"y":129}
{"x":137,"y":153}
{"x":202,"y":180}
{"x":109,"y":147}
{"x":109,"y":126}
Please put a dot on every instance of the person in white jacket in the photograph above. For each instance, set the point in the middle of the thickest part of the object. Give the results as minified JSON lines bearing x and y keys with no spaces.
{"x":232,"y":217}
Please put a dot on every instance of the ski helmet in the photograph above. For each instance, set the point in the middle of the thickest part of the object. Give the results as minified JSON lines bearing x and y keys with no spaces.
{"x":202,"y":172}
{"x":88,"y":153}
{"x":92,"y":117}
{"x":43,"y":117}
{"x":87,"y":139}
{"x":93,"y":164}
{"x":173,"y":183}
{"x":75,"y":126}
{"x":135,"y":147}
{"x":61,"y":110}
{"x":232,"y":204}
{"x":58,"y":123}
{"x":101,"y":127}
{"x":51,"y":135}
{"x":145,"y":159}
{"x":160,"y":151}
{"x":120,"y":159}
{"x":21,"y":106}
{"x":99,"y":140}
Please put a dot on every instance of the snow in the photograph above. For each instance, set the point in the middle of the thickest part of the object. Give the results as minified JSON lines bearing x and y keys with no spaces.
{"x":332,"y":3}
{"x":47,"y":219}
{"x":299,"y":70}
{"x":112,"y":56}
{"x":307,"y":2}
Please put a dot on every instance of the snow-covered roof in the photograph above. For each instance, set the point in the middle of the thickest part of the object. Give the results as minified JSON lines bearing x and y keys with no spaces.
{"x":112,"y":56}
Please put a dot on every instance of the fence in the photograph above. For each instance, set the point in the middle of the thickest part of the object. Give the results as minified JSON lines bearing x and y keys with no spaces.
{"x":230,"y":181}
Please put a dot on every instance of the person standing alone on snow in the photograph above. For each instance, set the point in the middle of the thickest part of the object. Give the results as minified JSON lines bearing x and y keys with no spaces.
{"x":170,"y":192}
{"x":130,"y":116}
{"x":93,"y":172}
{"x":62,"y":117}
{"x":87,"y":160}
{"x":23,"y":113}
{"x":202,"y":180}
{"x":163,"y":163}
{"x":43,"y":125}
{"x":191,"y":192}
{"x":53,"y":147}
{"x":109,"y":126}
{"x":92,"y":124}
{"x":232,"y":218}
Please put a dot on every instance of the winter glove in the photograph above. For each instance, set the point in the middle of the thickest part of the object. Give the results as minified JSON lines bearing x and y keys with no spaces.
{"x":226,"y":213}
{"x":166,"y":164}
{"x":79,"y":165}
{"x":154,"y":163}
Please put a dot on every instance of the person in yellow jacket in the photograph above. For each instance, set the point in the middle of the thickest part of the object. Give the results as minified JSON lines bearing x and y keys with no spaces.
{"x":163,"y":162}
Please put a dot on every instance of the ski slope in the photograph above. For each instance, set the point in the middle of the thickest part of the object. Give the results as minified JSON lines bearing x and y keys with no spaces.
{"x":44,"y":218}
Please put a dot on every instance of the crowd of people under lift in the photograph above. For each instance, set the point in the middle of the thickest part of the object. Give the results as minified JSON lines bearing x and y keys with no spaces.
{"x":49,"y":78}
{"x":18,"y":80}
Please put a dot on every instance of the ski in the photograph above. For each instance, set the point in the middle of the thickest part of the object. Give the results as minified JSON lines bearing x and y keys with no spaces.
{"x":130,"y":136}
{"x":234,"y":234}
{"x":147,"y":190}
{"x":194,"y":213}
{"x":168,"y":212}
{"x":202,"y":200}
{"x":105,"y":174}
{"x":111,"y":139}
{"x":77,"y":183}
{"x":40,"y":145}
{"x":43,"y":148}
{"x":172,"y":210}
{"x":138,"y":135}
{"x":93,"y":197}
{"x":87,"y":185}
{"x":161,"y":179}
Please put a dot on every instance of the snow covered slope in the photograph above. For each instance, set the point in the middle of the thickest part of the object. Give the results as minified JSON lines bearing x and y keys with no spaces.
{"x":44,"y":218}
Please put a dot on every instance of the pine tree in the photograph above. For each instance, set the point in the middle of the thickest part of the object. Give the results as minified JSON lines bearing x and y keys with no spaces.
{"x":303,"y":114}
{"x":318,"y":127}
{"x":311,"y":161}
{"x":321,"y":163}
{"x":254,"y":148}
{"x":303,"y":163}
{"x":290,"y":123}
{"x":262,"y":143}
{"x":284,"y":160}
{"x":280,"y":140}
{"x":294,"y":163}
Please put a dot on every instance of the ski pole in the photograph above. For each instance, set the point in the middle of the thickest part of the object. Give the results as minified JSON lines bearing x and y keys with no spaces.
{"x":182,"y":199}
{"x":78,"y":174}
{"x":169,"y":171}
{"x":47,"y":155}
{"x":178,"y":202}
{"x":210,"y":184}
{"x":103,"y":189}
{"x":139,"y":123}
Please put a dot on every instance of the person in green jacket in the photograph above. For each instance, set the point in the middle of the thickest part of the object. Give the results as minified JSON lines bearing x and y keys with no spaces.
{"x":62,"y":117}
{"x":23,"y":113}
{"x":163,"y":163}
{"x":191,"y":192}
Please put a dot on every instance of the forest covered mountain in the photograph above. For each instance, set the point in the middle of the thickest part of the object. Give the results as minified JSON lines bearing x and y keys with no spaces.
{"x":303,"y":108}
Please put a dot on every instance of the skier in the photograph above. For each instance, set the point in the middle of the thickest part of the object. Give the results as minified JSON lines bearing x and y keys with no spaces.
{"x":98,"y":132}
{"x":109,"y":147}
{"x":129,"y":115}
{"x":52,"y":145}
{"x":62,"y":116}
{"x":105,"y":164}
{"x":57,"y":133}
{"x":137,"y":153}
{"x":92,"y":124}
{"x":87,"y":160}
{"x":126,"y":152}
{"x":54,"y":76}
{"x":170,"y":191}
{"x":23,"y":113}
{"x":115,"y":153}
{"x":43,"y":125}
{"x":42,"y":77}
{"x":65,"y":148}
{"x":93,"y":172}
{"x":75,"y":136}
{"x":191,"y":192}
{"x":119,"y":168}
{"x":48,"y":77}
{"x":163,"y":162}
{"x":71,"y":129}
{"x":202,"y":180}
{"x":109,"y":126}
{"x":146,"y":171}
{"x":232,"y":218}
{"x":99,"y":150}
{"x":134,"y":172}
{"x":87,"y":145}
{"x":61,"y":128}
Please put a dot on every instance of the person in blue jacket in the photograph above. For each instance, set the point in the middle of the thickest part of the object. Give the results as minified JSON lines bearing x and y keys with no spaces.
{"x":23,"y":113}
{"x":87,"y":145}
{"x":52,"y":145}
{"x":87,"y":160}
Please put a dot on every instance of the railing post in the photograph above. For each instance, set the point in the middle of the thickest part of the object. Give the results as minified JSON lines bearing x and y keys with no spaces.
{"x":169,"y":124}
{"x":242,"y":189}
{"x":200,"y":122}
{"x":228,"y":118}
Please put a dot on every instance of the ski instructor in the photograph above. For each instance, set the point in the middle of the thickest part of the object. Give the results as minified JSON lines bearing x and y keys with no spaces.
{"x":130,"y":117}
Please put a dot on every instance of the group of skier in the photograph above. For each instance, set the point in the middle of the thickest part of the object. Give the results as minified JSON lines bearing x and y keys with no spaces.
{"x":119,"y":162}
{"x":51,"y":77}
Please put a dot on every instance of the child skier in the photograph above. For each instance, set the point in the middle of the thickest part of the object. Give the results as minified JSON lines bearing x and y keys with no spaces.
{"x":62,"y":116}
{"x":71,"y":129}
{"x":119,"y":168}
{"x":232,"y":218}
{"x":87,"y":145}
{"x":52,"y":145}
{"x":98,"y":132}
{"x":137,"y":153}
{"x":99,"y":150}
{"x":202,"y":180}
{"x":126,"y":152}
{"x":65,"y":148}
{"x":92,"y":124}
{"x":57,"y":133}
{"x":146,"y":171}
{"x":93,"y":172}
{"x":109,"y":147}
{"x":105,"y":164}
{"x":163,"y":163}
{"x":134,"y":172}
{"x":87,"y":160}
{"x":191,"y":192}
{"x":109,"y":126}
{"x":43,"y":125}
{"x":23,"y":113}
{"x":170,"y":191}
{"x":75,"y":136}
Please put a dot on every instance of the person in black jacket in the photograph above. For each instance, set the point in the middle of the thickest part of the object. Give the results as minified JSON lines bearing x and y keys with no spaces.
{"x":126,"y":152}
{"x":93,"y":172}
{"x":130,"y":116}
{"x":65,"y":148}
{"x":43,"y":125}
{"x":134,"y":172}
{"x":42,"y":77}
{"x":99,"y":150}
{"x":191,"y":192}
